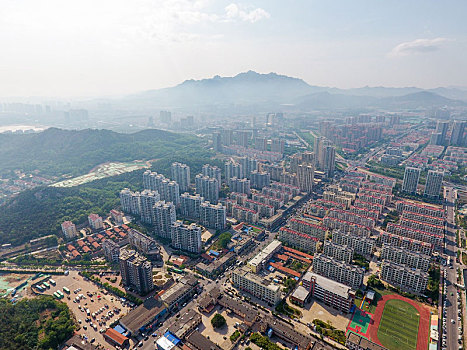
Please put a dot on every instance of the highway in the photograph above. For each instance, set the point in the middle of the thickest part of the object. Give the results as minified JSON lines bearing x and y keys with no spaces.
{"x":449,"y":331}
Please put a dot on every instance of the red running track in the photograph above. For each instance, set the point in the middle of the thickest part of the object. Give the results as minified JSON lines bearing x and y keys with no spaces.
{"x":423,"y":325}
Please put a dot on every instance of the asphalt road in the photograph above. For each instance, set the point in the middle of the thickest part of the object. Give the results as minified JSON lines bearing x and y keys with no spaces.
{"x":449,"y":333}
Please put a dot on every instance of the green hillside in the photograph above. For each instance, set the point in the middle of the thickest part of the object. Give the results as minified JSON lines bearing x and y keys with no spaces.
{"x":57,"y":152}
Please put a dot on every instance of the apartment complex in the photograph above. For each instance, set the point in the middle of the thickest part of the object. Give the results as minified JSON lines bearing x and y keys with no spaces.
{"x":411,"y":177}
{"x":212,"y":172}
{"x":240,"y":185}
{"x":434,"y":182}
{"x":409,"y":243}
{"x":136,"y":271}
{"x":168,"y":190}
{"x":406,"y":278}
{"x":403,"y":256}
{"x":181,"y":174}
{"x":308,"y":228}
{"x":186,"y":237}
{"x":338,"y":251}
{"x":190,"y":204}
{"x":298,"y":240}
{"x":339,"y":271}
{"x":212,"y":215}
{"x":207,"y":187}
{"x":360,"y":245}
{"x":260,"y":179}
{"x":163,"y":217}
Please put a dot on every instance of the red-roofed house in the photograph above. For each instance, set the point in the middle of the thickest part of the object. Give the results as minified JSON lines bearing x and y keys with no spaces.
{"x":116,"y":338}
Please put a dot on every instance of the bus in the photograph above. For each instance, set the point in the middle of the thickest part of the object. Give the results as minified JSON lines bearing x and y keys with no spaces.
{"x":58,"y":295}
{"x":59,"y":292}
{"x":46,"y":285}
{"x":52,"y":282}
{"x":66,"y":290}
{"x":39,"y":288}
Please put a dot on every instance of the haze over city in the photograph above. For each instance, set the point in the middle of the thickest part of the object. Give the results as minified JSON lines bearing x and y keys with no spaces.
{"x":94,"y":49}
{"x":226,"y":175}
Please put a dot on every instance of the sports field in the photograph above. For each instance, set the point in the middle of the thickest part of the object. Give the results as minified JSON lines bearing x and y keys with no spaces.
{"x":360,"y":322}
{"x":398,"y":329}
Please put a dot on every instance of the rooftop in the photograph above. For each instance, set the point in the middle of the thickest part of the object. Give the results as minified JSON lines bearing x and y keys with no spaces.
{"x":142,"y":315}
{"x":335,"y":287}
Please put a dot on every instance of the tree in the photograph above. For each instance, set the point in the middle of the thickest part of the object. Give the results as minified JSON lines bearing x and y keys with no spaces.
{"x":218,"y":321}
{"x":375,"y":282}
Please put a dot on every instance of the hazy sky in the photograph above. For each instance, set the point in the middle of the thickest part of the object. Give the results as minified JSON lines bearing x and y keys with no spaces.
{"x":104,"y":47}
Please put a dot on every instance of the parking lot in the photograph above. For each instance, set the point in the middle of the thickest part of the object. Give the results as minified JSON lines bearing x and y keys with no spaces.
{"x":105,"y":307}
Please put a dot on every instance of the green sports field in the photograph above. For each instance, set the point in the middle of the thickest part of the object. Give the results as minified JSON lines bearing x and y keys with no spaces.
{"x":398,"y":329}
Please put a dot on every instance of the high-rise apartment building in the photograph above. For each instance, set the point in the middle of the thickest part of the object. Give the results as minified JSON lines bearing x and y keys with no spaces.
{"x":136,"y":271}
{"x":442,"y":127}
{"x":242,"y":137}
{"x":148,"y":199}
{"x":278,"y":145}
{"x":69,"y":229}
{"x":240,"y":185}
{"x":261,"y":143}
{"x":233,"y":169}
{"x":260,"y":179}
{"x":329,"y":160}
{"x":168,"y":190}
{"x":212,"y":215}
{"x":189,"y":205}
{"x":207,"y":187}
{"x":217,"y":141}
{"x":163,"y":217}
{"x":305,"y":177}
{"x":111,"y":250}
{"x":411,"y":177}
{"x":212,"y":171}
{"x":181,"y":175}
{"x":457,"y":134}
{"x":227,"y":137}
{"x":186,"y":237}
{"x":434,"y":182}
{"x":165,"y":117}
{"x":130,"y":201}
{"x":248,"y":165}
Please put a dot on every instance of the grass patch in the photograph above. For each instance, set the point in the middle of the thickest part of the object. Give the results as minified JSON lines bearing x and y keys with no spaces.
{"x":398,"y":329}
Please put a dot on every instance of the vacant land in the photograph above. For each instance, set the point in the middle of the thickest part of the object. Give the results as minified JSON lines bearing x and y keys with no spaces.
{"x":398,"y":329}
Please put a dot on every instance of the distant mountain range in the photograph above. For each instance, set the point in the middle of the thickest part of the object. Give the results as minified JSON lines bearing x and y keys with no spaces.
{"x":255,"y":91}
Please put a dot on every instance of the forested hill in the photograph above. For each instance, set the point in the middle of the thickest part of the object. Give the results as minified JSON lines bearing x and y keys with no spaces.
{"x":57,"y":152}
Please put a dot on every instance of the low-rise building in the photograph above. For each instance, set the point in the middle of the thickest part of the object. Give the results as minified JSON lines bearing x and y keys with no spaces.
{"x":259,"y":261}
{"x":335,"y":294}
{"x":180,"y":292}
{"x":307,"y":227}
{"x":69,"y":229}
{"x":408,"y":243}
{"x":357,"y":342}
{"x":143,"y":317}
{"x":244,"y":279}
{"x":95,"y":222}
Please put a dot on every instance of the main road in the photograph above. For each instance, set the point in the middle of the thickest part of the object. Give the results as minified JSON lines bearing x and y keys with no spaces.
{"x":449,"y":331}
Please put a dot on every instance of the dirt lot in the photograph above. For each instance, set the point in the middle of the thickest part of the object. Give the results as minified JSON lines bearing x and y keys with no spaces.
{"x":316,"y":309}
{"x":217,"y":335}
{"x":73,"y":281}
